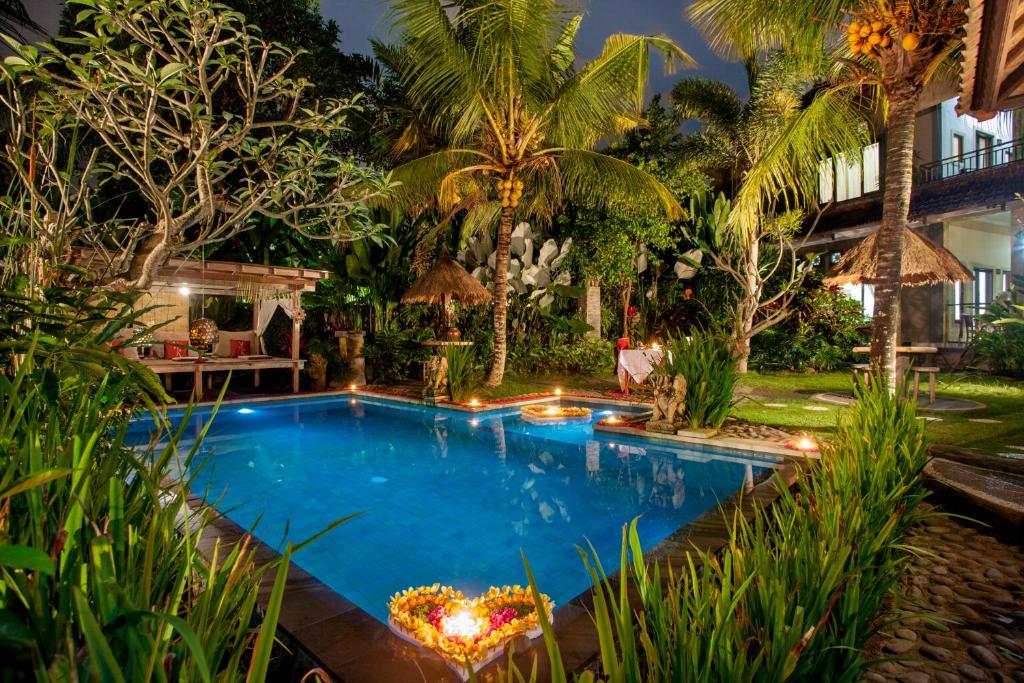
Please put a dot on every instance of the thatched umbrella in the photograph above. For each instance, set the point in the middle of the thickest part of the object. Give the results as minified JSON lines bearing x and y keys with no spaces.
{"x":446,"y":281}
{"x":924,"y":263}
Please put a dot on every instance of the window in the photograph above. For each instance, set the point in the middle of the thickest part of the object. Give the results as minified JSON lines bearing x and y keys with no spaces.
{"x":958,"y":300}
{"x":982,"y":289}
{"x":958,"y":146}
{"x":834,"y":257}
{"x":848,"y":177}
{"x":872,"y":177}
{"x":826,"y":181}
{"x":865,"y":295}
{"x":983,"y":147}
{"x":848,"y":173}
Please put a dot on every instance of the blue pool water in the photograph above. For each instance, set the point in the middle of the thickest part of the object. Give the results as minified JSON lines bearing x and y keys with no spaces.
{"x":448,"y":497}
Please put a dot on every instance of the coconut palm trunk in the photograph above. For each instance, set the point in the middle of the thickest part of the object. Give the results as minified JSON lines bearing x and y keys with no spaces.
{"x":748,"y":307}
{"x":899,"y":169}
{"x":501,"y":259}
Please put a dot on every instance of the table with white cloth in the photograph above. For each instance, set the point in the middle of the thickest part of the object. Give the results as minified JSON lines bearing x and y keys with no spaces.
{"x":635,"y":365}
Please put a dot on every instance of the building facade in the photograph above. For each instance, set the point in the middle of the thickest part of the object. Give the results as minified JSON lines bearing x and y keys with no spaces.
{"x":968,"y":182}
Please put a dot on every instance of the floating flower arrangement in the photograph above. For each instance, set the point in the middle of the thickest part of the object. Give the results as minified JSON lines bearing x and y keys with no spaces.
{"x":542,"y":414}
{"x":460,"y":629}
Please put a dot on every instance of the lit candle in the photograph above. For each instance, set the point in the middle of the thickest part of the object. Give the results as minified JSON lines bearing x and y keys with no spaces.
{"x":612,"y":420}
{"x":475,"y":402}
{"x":655,"y":346}
{"x":558,"y":391}
{"x":352,"y":387}
{"x":461,"y":624}
{"x":551,"y":411}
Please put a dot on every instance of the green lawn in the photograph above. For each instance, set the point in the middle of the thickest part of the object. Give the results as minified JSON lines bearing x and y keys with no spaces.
{"x":792,"y":392}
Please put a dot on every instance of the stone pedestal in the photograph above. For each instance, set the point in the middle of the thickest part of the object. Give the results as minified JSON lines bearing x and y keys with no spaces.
{"x":662,"y":426}
{"x":590,"y":308}
{"x":350,"y":345}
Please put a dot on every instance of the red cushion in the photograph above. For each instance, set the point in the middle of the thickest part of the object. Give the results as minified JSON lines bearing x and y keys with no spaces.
{"x":239,"y":347}
{"x":175,"y":348}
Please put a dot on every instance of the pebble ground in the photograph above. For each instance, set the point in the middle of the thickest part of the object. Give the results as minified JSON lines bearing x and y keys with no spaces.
{"x":973,"y":585}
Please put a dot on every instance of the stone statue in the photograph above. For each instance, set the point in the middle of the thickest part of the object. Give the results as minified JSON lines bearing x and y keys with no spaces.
{"x":669,"y":404}
{"x":437,"y":379}
{"x":317,"y":370}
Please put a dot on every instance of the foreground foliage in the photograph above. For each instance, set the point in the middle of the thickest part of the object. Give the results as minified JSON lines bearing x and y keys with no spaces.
{"x":100,"y":573}
{"x":706,"y":361}
{"x":796,"y":593}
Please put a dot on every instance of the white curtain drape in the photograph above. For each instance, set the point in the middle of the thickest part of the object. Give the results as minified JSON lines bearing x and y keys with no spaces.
{"x":266,"y":312}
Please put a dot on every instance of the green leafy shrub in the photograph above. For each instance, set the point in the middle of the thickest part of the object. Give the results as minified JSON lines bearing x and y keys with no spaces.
{"x":584,"y":356}
{"x":819,"y":334}
{"x":393,"y":355}
{"x":1000,"y":340}
{"x":707,"y":363}
{"x":796,"y":593}
{"x":462,"y":377}
{"x":94,"y":559}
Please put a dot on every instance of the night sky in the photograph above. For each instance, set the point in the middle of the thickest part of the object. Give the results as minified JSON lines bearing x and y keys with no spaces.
{"x":361,"y":19}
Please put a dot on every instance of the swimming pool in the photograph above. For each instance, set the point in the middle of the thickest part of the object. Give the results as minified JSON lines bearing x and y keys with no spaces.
{"x":448,"y":496}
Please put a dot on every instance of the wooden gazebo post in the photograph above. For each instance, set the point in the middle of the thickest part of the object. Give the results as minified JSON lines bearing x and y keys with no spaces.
{"x":296,"y":331}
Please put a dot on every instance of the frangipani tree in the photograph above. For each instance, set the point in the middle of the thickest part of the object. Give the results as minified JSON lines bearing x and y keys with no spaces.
{"x":515,"y":121}
{"x":193,"y":115}
{"x":894,"y":47}
{"x":767,"y":151}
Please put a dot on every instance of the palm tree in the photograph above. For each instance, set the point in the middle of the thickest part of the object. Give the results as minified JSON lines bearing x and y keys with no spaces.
{"x":767,"y":153}
{"x":515,"y":122}
{"x":897,"y":47}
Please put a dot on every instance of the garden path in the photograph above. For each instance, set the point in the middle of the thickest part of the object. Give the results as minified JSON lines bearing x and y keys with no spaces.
{"x":973,"y":584}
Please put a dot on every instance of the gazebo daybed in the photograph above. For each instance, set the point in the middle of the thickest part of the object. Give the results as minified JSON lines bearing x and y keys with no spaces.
{"x":268,"y":287}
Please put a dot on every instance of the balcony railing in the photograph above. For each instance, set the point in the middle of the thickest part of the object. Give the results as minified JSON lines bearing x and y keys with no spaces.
{"x":989,"y":157}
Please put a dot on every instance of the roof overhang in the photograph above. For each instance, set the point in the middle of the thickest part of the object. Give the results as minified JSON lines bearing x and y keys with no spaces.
{"x":221,"y":277}
{"x":992,"y":74}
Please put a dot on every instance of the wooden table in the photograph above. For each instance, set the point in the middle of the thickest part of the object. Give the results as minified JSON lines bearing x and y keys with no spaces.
{"x":167,"y":367}
{"x":904,"y":355}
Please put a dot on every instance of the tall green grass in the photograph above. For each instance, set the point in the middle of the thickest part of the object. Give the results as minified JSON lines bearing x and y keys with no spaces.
{"x":100,"y":573}
{"x":796,"y":593}
{"x":462,"y":377}
{"x":710,"y":371}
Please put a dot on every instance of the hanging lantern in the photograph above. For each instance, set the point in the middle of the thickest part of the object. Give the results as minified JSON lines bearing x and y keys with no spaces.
{"x":203,"y":334}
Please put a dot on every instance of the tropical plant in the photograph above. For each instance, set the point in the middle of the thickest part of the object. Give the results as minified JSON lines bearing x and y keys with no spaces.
{"x":581,"y":356}
{"x":461,"y":371}
{"x":94,"y":557}
{"x":795,"y":594}
{"x":999,"y":340}
{"x":767,"y":151}
{"x":706,"y":361}
{"x":820,"y":334}
{"x":895,"y":47}
{"x":146,"y":95}
{"x":516,"y":120}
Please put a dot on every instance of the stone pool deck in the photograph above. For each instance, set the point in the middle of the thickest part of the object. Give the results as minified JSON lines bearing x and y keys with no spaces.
{"x":971,"y":585}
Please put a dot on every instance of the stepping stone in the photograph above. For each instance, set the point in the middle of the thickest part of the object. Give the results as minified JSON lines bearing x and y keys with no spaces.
{"x":780,"y":405}
{"x":817,"y":409}
{"x":984,"y":420}
{"x":1017,"y":448}
{"x":984,"y":656}
{"x":929,"y":418}
{"x":1014,"y":456}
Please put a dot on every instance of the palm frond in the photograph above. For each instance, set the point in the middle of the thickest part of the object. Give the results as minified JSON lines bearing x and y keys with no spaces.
{"x":420,"y":180}
{"x":787,"y":170}
{"x":736,"y":29}
{"x":607,"y":94}
{"x":713,"y":103}
{"x":592,"y":177}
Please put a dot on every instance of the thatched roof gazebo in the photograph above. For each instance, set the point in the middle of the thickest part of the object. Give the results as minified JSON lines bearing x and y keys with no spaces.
{"x":446,"y":281}
{"x":924,"y":263}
